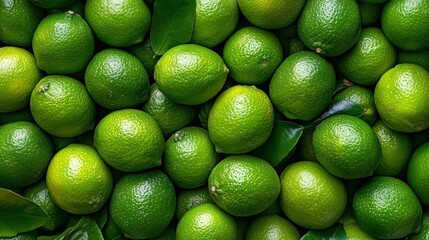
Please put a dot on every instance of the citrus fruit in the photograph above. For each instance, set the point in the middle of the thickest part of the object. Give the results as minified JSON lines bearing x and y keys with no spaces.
{"x":352,"y":229}
{"x":118,"y":23}
{"x":271,"y":14}
{"x":214,"y":21}
{"x":396,"y":150}
{"x":129,"y":140}
{"x":144,"y":52}
{"x":272,"y":227}
{"x":240,"y":120}
{"x":363,"y":97}
{"x":189,"y":157}
{"x":170,"y":116}
{"x":18,"y":21}
{"x":50,"y":4}
{"x":190,"y":74}
{"x":330,"y":27}
{"x":369,"y":59}
{"x":62,"y":107}
{"x":406,"y":23}
{"x":25,"y":152}
{"x":39,"y":194}
{"x":417,"y":174}
{"x":78,"y":180}
{"x":243,"y":185}
{"x":402,"y":98}
{"x":387,"y":208}
{"x":302,"y":86}
{"x":206,"y":221}
{"x":18,"y":76}
{"x":310,"y":196}
{"x":424,"y":232}
{"x":189,"y":198}
{"x":370,"y":13}
{"x":143,"y":204}
{"x":116,"y":79}
{"x":63,"y":43}
{"x":417,"y":57}
{"x":252,"y":55}
{"x":347,"y":147}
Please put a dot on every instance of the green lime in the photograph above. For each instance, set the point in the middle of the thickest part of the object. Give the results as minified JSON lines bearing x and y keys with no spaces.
{"x":402,"y":98}
{"x":406,"y":23}
{"x":248,"y":64}
{"x":118,"y":23}
{"x":116,"y":79}
{"x":243,"y":185}
{"x":25,"y":153}
{"x":189,"y":157}
{"x":78,"y":180}
{"x":63,"y":43}
{"x":190,"y":74}
{"x":169,"y":115}
{"x":347,"y":147}
{"x":272,"y":227}
{"x":369,"y":59}
{"x":387,"y":208}
{"x":18,"y":76}
{"x":206,"y":221}
{"x":396,"y":150}
{"x":271,"y":14}
{"x":310,"y":196}
{"x":18,"y":21}
{"x":143,"y":204}
{"x":239,"y":114}
{"x":129,"y":140}
{"x":62,"y":107}
{"x":329,"y":27}
{"x":214,"y":21}
{"x":417,"y":173}
{"x":303,"y":85}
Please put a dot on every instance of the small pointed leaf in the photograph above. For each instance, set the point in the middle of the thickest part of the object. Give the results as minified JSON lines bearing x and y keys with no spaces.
{"x":281,"y":143}
{"x":172,"y":24}
{"x":336,"y":232}
{"x":18,"y":214}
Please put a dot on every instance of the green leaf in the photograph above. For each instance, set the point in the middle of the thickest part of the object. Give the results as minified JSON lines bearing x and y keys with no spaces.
{"x":341,"y":107}
{"x":335,"y":232}
{"x":282,"y":141}
{"x":18,"y":214}
{"x":100,"y":217}
{"x":172,"y":24}
{"x":85,"y":229}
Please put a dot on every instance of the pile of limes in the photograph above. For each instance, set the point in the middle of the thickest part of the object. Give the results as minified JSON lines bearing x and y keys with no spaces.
{"x":114,"y":140}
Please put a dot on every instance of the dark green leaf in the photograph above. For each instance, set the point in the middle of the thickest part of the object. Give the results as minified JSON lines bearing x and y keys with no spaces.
{"x":282,"y":141}
{"x":85,"y":229}
{"x":111,"y":231}
{"x":100,"y":217}
{"x":18,"y":214}
{"x":341,"y":107}
{"x":335,"y":232}
{"x":172,"y":24}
